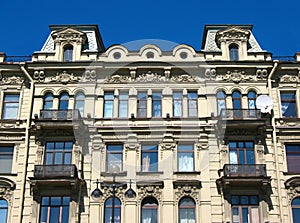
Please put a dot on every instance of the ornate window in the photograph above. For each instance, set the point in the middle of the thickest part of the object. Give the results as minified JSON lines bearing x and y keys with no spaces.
{"x":149,"y":210}
{"x":10,"y":106}
{"x":55,"y":209}
{"x":68,"y":53}
{"x":64,"y":101}
{"x":79,"y":102}
{"x":123,"y":105}
{"x":3,"y":210}
{"x":296,"y":209}
{"x":48,"y":101}
{"x":221,"y":101}
{"x":142,"y":104}
{"x":252,"y":100}
{"x":177,"y":104}
{"x":108,"y":104}
{"x":187,"y":210}
{"x":6,"y":158}
{"x":108,"y":210}
{"x":234,"y":52}
{"x":288,"y":104}
{"x":114,"y":158}
{"x":293,"y":157}
{"x":245,"y":209}
{"x":156,"y":104}
{"x":192,"y":104}
{"x":58,"y":153}
{"x":241,"y":152}
{"x":149,"y":158}
{"x":185,"y":156}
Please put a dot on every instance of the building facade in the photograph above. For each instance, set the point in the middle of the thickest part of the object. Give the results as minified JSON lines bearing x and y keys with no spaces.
{"x":150,"y":135}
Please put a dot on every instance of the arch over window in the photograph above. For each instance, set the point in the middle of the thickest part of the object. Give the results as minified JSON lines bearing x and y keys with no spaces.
{"x":68,"y":53}
{"x":187,"y":210}
{"x":296,"y":209}
{"x":236,"y":100}
{"x":108,"y":210}
{"x":149,"y":210}
{"x":48,"y":101}
{"x":234,"y":52}
{"x":252,"y":99}
{"x":64,"y":101}
{"x":221,"y":101}
{"x":79,"y":102}
{"x":3,"y":210}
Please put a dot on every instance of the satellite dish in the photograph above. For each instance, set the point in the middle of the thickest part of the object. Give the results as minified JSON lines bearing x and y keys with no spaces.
{"x":264,"y":103}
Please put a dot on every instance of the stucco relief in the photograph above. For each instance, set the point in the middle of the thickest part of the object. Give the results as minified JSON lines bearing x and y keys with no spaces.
{"x":13,"y":80}
{"x":187,"y":190}
{"x":150,"y":191}
{"x":64,"y":77}
{"x":235,"y":76}
{"x":289,"y":79}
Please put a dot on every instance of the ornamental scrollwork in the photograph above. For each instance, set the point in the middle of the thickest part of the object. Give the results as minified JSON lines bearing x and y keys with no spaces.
{"x":13,"y":80}
{"x":184,"y":78}
{"x":293,"y":192}
{"x":108,"y":192}
{"x":63,"y":77}
{"x":236,"y":76}
{"x":6,"y":193}
{"x":150,"y":77}
{"x":289,"y":79}
{"x":39,"y":75}
{"x":187,"y":190}
{"x":150,"y":191}
{"x":261,"y":74}
{"x":118,"y":79}
{"x":210,"y":74}
{"x":89,"y":76}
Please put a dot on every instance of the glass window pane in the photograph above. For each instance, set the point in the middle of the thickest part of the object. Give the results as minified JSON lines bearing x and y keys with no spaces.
{"x":235,"y":215}
{"x":185,"y":161}
{"x":54,"y":215}
{"x":68,"y":158}
{"x":233,"y":157}
{"x":65,"y":214}
{"x":250,"y":156}
{"x":245,"y":215}
{"x":44,"y":214}
{"x":10,"y":106}
{"x":108,"y":109}
{"x":58,"y":158}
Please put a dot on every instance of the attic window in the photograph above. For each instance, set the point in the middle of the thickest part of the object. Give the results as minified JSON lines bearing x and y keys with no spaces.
{"x":234,"y":52}
{"x":68,"y":53}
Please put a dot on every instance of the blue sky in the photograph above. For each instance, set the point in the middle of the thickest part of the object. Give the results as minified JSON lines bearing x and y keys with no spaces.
{"x":24,"y":25}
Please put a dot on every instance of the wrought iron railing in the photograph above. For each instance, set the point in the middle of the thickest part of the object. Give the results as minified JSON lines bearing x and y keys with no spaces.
{"x":245,"y":170}
{"x":55,"y":171}
{"x":284,"y":58}
{"x":60,"y":115}
{"x":17,"y":58}
{"x":240,"y":114}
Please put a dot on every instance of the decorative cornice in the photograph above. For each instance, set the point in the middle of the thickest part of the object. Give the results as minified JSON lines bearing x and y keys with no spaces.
{"x":151,"y":77}
{"x":118,"y":79}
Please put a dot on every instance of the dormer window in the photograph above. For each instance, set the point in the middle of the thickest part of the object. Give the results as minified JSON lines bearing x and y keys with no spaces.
{"x":68,"y":53}
{"x":234,"y":52}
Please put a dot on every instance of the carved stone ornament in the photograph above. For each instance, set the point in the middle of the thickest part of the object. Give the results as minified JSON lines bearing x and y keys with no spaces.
{"x":261,"y":74}
{"x":63,"y":77}
{"x":293,"y":192}
{"x":184,"y":78}
{"x":187,"y":190}
{"x":236,"y":76}
{"x":149,"y":191}
{"x":39,"y":75}
{"x":167,"y":146}
{"x":107,"y":192}
{"x":210,"y":74}
{"x":151,"y":77}
{"x":6,"y":189}
{"x":13,"y":80}
{"x":289,"y":79}
{"x":118,"y":79}
{"x":89,"y":76}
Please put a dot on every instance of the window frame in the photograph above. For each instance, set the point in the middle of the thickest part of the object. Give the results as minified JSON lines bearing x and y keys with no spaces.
{"x":192,"y":100}
{"x":112,"y":153}
{"x":188,"y":207}
{"x":46,"y":101}
{"x":236,"y":99}
{"x":233,"y":52}
{"x":4,"y":208}
{"x":108,"y":100}
{"x":240,"y":205}
{"x":117,"y":207}
{"x":221,"y":98}
{"x":251,"y":98}
{"x":63,"y":151}
{"x":191,"y":151}
{"x":177,"y":104}
{"x":238,"y":148}
{"x":68,"y":52}
{"x":291,"y":165}
{"x":9,"y":156}
{"x":79,"y":103}
{"x":149,"y":151}
{"x":142,"y":100}
{"x":157,"y":98}
{"x":289,"y":101}
{"x":8,"y":104}
{"x":123,"y":100}
{"x":64,"y":102}
{"x":295,"y":207}
{"x":152,"y":205}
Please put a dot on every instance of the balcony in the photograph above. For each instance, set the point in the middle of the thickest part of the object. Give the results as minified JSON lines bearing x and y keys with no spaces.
{"x":240,"y":114}
{"x":62,"y":115}
{"x":243,"y":175}
{"x":55,"y":171}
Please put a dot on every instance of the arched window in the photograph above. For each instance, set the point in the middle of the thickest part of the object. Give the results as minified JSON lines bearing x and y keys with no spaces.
{"x":296,"y":209}
{"x":187,"y":210}
{"x":221,"y":97}
{"x":234,"y":52}
{"x":79,"y":102}
{"x":48,"y":101}
{"x":64,"y":101}
{"x":149,"y":210}
{"x":236,"y":100}
{"x":108,"y":210}
{"x":252,"y":100}
{"x":3,"y":210}
{"x":68,"y":53}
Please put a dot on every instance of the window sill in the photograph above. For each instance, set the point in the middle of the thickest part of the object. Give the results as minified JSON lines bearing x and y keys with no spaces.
{"x":143,"y":173}
{"x":120,"y":174}
{"x":291,"y":173}
{"x":8,"y":174}
{"x":187,"y":172}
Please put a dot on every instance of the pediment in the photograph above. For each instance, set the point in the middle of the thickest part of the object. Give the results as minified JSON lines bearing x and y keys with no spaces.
{"x":233,"y":32}
{"x":67,"y":33}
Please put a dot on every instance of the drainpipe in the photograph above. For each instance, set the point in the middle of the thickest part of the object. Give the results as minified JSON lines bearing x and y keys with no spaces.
{"x":27,"y":135}
{"x":275,"y":144}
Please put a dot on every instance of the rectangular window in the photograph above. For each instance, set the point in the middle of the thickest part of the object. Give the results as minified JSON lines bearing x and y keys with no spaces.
{"x":244,"y":209}
{"x":149,"y":158}
{"x":156,"y":104}
{"x":114,"y":158}
{"x":288,"y":104}
{"x":241,"y":152}
{"x":58,"y":153}
{"x":55,"y":209}
{"x":177,"y":104}
{"x":142,"y":104}
{"x":185,"y":156}
{"x":192,"y":104}
{"x":6,"y":158}
{"x":108,"y":104}
{"x":293,"y":158}
{"x":10,"y":106}
{"x":123,"y":105}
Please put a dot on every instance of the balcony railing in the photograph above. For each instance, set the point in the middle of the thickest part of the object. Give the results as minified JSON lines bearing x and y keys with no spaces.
{"x":240,"y":114}
{"x":55,"y":171}
{"x":245,"y":170}
{"x":16,"y":59}
{"x":63,"y":115}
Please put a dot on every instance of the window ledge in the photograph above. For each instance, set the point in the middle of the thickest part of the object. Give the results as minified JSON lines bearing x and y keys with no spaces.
{"x":141,"y":173}
{"x":291,"y":173}
{"x":187,"y":172}
{"x":8,"y":174}
{"x":120,"y":174}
